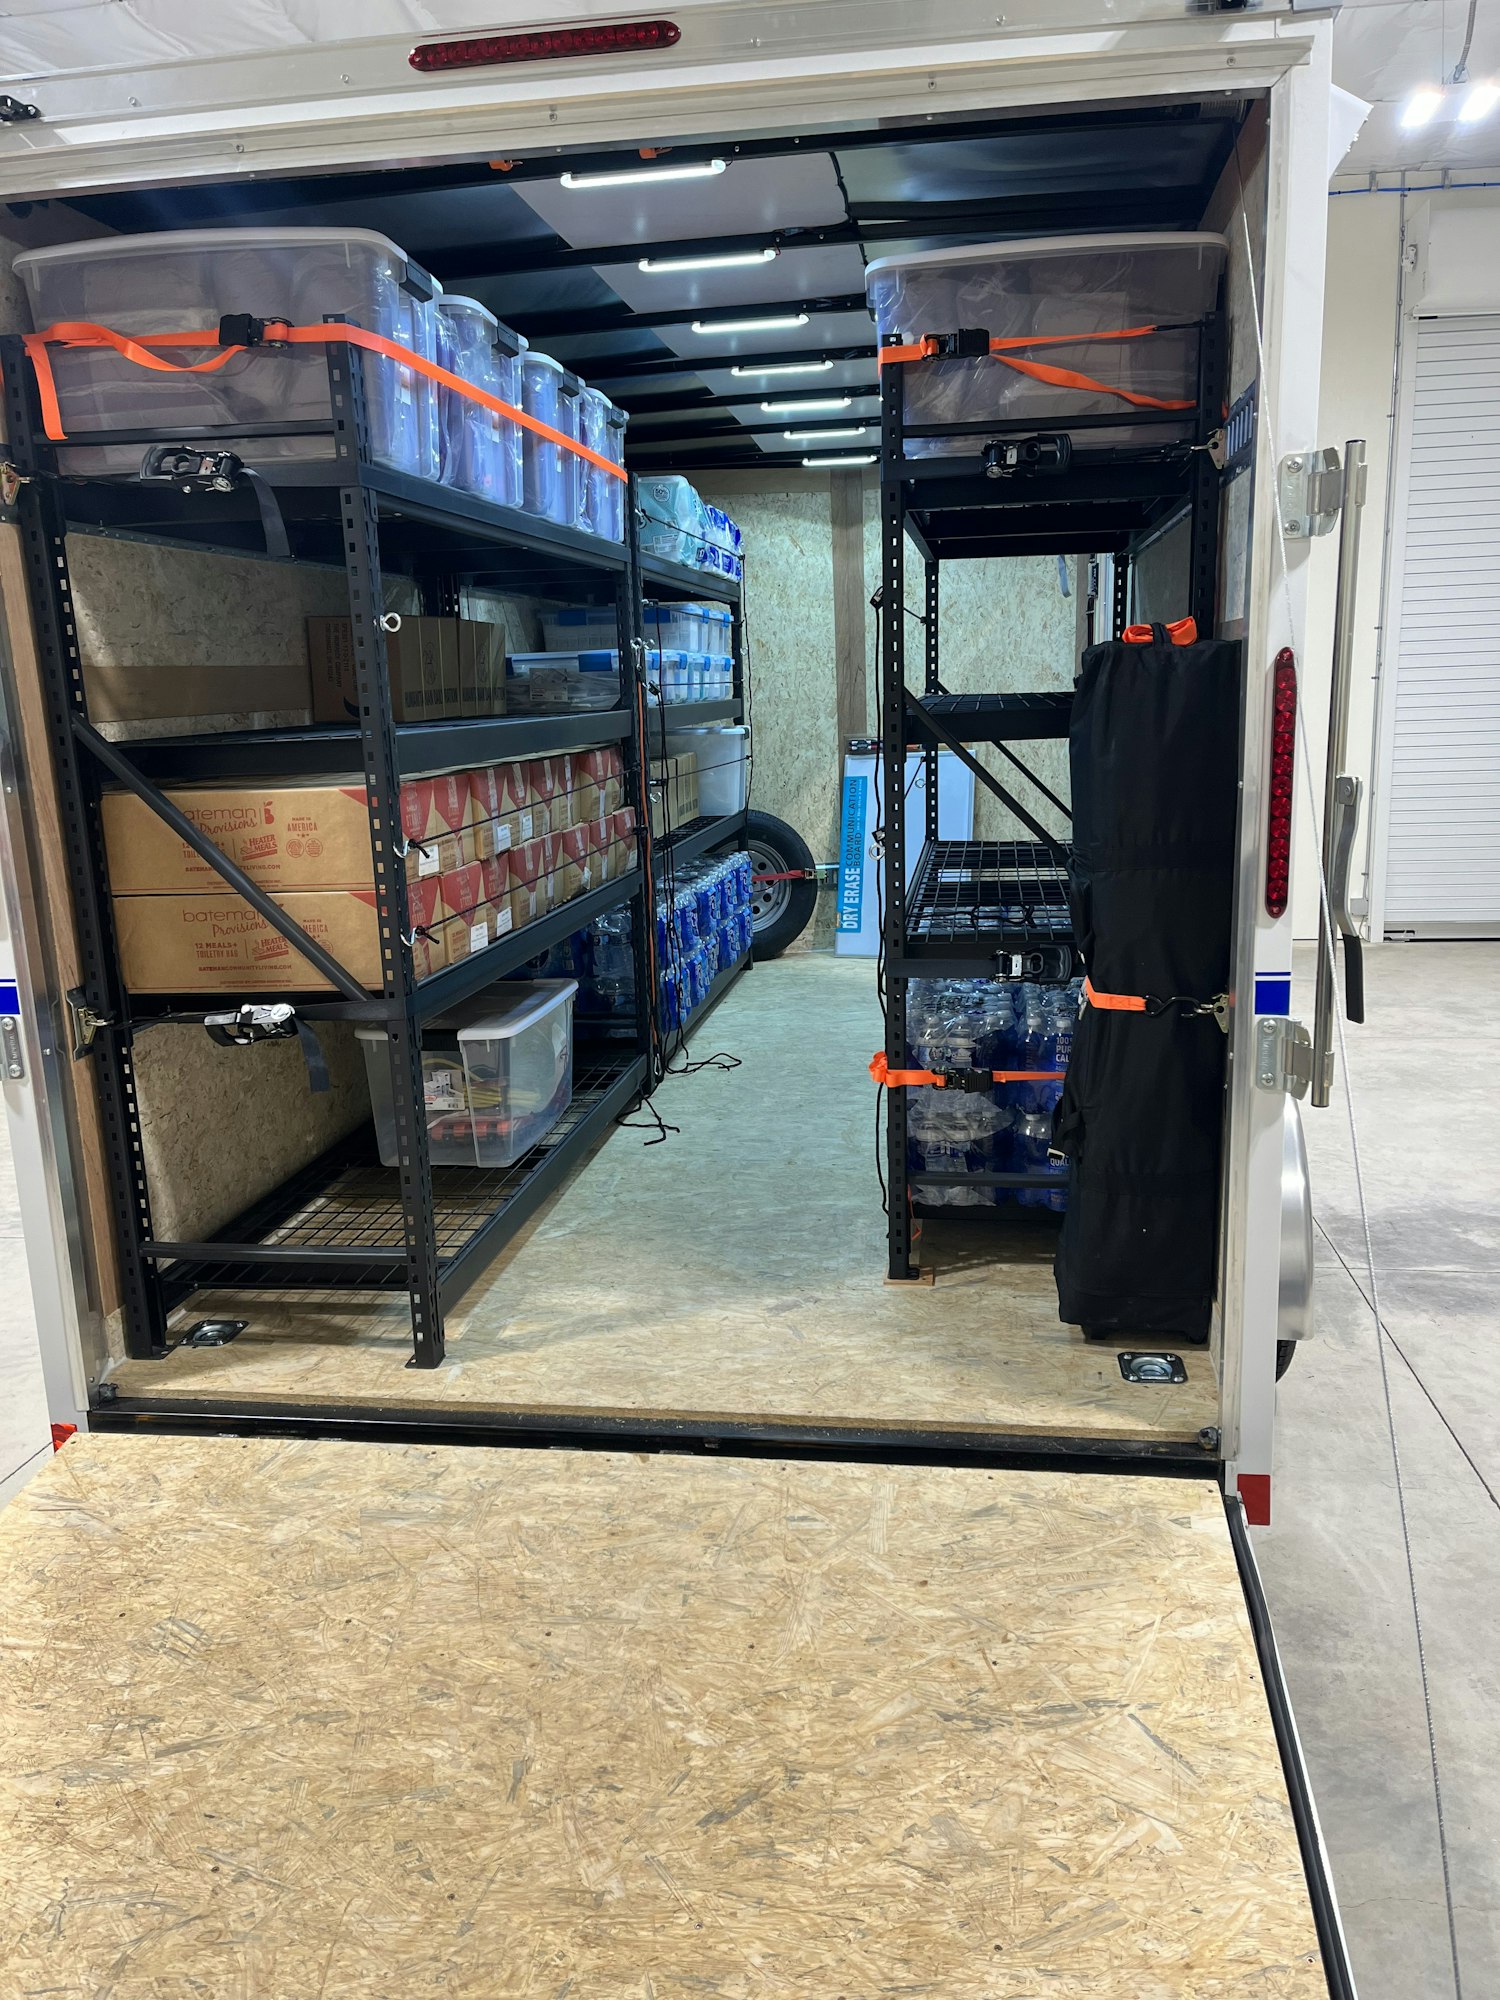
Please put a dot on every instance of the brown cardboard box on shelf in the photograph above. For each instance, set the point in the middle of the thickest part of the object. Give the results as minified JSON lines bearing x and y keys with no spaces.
{"x":303,"y":837}
{"x":465,"y":917}
{"x":215,"y":943}
{"x":435,"y":665}
{"x":674,"y":793}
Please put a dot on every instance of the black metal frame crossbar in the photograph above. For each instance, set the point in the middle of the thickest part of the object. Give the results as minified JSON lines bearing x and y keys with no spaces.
{"x":999,"y":909}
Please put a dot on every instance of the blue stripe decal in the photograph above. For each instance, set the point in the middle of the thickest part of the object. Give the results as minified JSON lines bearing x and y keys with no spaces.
{"x":10,"y":999}
{"x":1273,"y":993}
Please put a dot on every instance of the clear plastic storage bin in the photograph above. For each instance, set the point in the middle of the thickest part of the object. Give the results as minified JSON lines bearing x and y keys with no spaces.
{"x":497,"y":1075}
{"x":606,"y":509}
{"x":723,"y":766}
{"x":570,"y":464}
{"x":481,"y":450}
{"x":541,"y":386}
{"x":183,"y":279}
{"x":556,"y":681}
{"x":1063,"y":285}
{"x":580,"y":628}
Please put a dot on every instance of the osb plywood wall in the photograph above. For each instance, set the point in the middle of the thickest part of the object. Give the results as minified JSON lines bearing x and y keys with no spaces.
{"x":1006,"y":625}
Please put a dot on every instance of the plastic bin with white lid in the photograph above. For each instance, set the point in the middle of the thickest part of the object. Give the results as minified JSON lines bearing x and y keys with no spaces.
{"x":497,"y":1075}
{"x":601,"y":426}
{"x":723,"y":756}
{"x":180,"y":280}
{"x":481,"y":450}
{"x":541,"y":395}
{"x":1087,"y":285}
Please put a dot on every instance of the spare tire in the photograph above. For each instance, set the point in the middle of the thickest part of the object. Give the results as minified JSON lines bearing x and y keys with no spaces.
{"x":780,"y":909}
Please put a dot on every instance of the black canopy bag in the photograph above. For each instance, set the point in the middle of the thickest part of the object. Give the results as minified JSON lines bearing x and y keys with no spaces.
{"x":1154,"y":750}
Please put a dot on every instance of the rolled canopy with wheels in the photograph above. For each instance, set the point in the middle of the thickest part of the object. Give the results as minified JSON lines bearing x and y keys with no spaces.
{"x":784,"y":884}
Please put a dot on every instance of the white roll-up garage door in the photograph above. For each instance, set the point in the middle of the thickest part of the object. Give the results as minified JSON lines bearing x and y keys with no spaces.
{"x":1443,"y":841}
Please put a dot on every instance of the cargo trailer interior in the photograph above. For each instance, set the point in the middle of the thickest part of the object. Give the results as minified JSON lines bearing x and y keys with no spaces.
{"x":833,"y":1660}
{"x":727,"y":1281}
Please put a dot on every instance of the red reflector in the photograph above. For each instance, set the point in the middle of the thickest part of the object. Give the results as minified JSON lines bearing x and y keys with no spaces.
{"x":1279,"y":811}
{"x":61,"y":1433}
{"x":1254,"y":1489}
{"x":622,"y":38}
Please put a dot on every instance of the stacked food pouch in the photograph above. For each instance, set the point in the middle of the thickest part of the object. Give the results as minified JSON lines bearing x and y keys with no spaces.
{"x":987,"y":1024}
{"x":703,"y":926}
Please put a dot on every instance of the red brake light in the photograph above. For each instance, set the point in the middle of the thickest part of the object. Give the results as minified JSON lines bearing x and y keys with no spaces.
{"x":1279,"y":811}
{"x":546,"y":45}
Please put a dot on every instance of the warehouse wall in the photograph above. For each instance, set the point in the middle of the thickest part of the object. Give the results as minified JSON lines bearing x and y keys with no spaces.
{"x":1358,"y":399}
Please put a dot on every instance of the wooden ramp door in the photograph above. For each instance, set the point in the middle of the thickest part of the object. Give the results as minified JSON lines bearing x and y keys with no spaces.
{"x":295,"y":1718}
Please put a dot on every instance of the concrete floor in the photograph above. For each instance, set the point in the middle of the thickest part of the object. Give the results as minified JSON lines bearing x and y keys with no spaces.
{"x":1426,"y":1084}
{"x":1426,"y":1071}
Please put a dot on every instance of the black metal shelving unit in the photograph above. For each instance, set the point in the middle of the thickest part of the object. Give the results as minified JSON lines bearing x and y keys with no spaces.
{"x":344,"y":1221}
{"x":999,"y":909}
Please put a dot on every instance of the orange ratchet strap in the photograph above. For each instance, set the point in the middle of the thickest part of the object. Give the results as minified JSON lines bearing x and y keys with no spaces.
{"x":84,"y":333}
{"x":948,"y":1079}
{"x":1181,"y":632}
{"x":1144,"y":1003}
{"x":1042,"y":371}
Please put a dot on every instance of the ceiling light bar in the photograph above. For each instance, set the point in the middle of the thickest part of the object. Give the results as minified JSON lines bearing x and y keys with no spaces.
{"x":785,"y":368}
{"x":728,"y":260}
{"x":807,"y":409}
{"x":826,"y":437}
{"x":775,"y":323}
{"x":1421,"y":108}
{"x":698,"y":170}
{"x":841,"y":458}
{"x":1480,"y":102}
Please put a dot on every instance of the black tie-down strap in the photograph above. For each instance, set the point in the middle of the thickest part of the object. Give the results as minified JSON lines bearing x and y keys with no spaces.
{"x":251,"y":1023}
{"x":192,"y":469}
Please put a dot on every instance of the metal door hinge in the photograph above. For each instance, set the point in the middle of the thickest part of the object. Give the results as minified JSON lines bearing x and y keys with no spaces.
{"x":1283,"y":1055}
{"x":11,"y":1058}
{"x":85,"y":1023}
{"x":1309,"y":493}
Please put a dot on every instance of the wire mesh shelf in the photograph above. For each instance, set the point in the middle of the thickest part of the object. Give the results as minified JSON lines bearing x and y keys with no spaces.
{"x":356,"y":1206}
{"x":989,"y":894}
{"x":1000,"y":718}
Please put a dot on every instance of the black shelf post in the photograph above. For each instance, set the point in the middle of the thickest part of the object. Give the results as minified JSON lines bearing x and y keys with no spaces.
{"x":359,"y":515}
{"x":630,"y":631}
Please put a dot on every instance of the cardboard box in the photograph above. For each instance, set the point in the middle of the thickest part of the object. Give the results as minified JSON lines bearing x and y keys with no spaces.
{"x":674,"y":792}
{"x":303,"y":837}
{"x":498,"y":789}
{"x":215,"y":943}
{"x":464,"y":916}
{"x":435,"y":665}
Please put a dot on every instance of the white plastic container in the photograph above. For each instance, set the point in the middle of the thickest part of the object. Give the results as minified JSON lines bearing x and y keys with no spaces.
{"x":541,"y":385}
{"x":184,"y":279}
{"x":723,"y":766}
{"x":672,"y":523}
{"x":1059,"y":285}
{"x":497,"y":1074}
{"x":602,"y":429}
{"x":570,"y":466}
{"x":717,"y":622}
{"x":481,"y":450}
{"x":674,"y":675}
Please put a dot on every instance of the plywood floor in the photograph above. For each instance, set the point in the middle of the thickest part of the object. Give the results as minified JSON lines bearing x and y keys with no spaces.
{"x":734,"y":1272}
{"x":384,"y":1722}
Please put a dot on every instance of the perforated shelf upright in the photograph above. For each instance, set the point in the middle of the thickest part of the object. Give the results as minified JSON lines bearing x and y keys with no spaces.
{"x":999,"y":909}
{"x":342,"y":1220}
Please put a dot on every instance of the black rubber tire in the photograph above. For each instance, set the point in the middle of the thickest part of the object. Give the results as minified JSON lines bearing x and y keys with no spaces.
{"x":783,"y":910}
{"x":1285,"y":1349}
